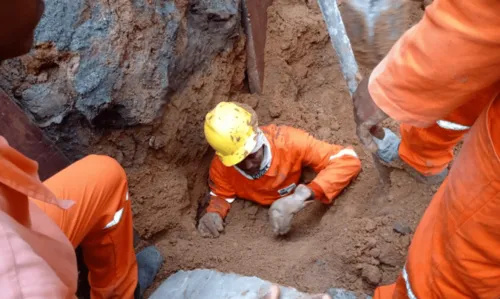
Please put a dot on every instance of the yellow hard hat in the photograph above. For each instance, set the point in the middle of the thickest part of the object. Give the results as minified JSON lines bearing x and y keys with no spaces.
{"x":231,"y":130}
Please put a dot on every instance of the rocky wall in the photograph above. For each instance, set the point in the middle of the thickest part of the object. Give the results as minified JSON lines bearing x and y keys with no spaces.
{"x":133,"y":79}
{"x":116,"y":63}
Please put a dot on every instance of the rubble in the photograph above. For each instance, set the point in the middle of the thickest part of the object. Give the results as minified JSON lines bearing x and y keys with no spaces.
{"x":371,"y":274}
{"x":401,"y":228}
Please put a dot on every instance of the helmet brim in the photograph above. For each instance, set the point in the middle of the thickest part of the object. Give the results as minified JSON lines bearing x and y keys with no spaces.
{"x":240,"y":154}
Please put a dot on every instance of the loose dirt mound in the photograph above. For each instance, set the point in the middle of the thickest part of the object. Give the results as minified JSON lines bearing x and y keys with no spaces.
{"x":351,"y":244}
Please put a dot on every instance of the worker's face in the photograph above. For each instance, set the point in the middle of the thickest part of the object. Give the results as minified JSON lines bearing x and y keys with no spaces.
{"x":18,"y":19}
{"x":251,"y":164}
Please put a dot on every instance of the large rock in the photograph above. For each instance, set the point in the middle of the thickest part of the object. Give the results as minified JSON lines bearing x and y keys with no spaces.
{"x":117,"y":62}
{"x":203,"y":284}
{"x":133,"y":79}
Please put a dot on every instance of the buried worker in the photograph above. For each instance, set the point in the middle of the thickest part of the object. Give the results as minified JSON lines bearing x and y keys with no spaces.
{"x":265,"y":164}
{"x":39,"y":231}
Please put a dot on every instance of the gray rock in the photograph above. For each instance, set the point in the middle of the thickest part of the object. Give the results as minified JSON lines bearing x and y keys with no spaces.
{"x":341,"y":294}
{"x":401,"y":228}
{"x":57,"y":23}
{"x":45,"y":103}
{"x":208,"y":284}
{"x":116,"y":62}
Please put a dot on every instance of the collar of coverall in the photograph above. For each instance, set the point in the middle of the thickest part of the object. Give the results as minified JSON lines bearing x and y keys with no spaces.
{"x":21,"y":174}
{"x":268,"y":157}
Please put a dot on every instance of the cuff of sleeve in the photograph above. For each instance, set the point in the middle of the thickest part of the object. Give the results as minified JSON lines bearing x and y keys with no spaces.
{"x":219,"y":206}
{"x":382,"y":96}
{"x":319,"y":194}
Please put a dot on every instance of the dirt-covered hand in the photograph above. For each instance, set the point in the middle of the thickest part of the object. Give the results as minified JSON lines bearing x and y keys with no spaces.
{"x":282,"y":211}
{"x":210,"y":225}
{"x":274,"y":293}
{"x":366,"y":115}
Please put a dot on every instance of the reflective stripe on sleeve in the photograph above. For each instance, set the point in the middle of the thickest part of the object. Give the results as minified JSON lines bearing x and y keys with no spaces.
{"x":408,"y":286}
{"x":448,"y":125}
{"x":117,"y":216}
{"x":116,"y":219}
{"x":344,"y":152}
{"x":229,"y":200}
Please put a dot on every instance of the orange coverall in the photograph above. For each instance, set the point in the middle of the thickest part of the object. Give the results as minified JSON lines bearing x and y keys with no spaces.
{"x":447,"y":67}
{"x":40,"y":232}
{"x":291,"y":150}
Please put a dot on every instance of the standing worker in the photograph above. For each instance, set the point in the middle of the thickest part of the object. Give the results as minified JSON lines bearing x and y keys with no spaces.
{"x":39,"y":231}
{"x":440,"y":79}
{"x":265,"y":164}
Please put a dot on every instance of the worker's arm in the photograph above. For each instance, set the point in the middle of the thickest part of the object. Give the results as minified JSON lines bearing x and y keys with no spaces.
{"x":221,"y":195}
{"x":336,"y":166}
{"x":221,"y":191}
{"x":438,"y":65}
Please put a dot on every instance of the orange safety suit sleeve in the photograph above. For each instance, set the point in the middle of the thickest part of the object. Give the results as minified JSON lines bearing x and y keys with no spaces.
{"x":336,"y":166}
{"x":221,"y":191}
{"x":441,"y":63}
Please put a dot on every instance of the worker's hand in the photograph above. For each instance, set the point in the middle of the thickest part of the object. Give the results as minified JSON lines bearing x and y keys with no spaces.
{"x":210,"y":225}
{"x":282,"y":210}
{"x":367,"y":115}
{"x":274,"y":293}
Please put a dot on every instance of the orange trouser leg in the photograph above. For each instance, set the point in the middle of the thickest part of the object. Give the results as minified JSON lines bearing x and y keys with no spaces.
{"x":428,"y":150}
{"x":454,"y":253}
{"x":100,"y":222}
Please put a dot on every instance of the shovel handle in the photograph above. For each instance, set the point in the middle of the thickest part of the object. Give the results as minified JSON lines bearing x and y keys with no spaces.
{"x":342,"y":45}
{"x":348,"y":64}
{"x":340,"y":42}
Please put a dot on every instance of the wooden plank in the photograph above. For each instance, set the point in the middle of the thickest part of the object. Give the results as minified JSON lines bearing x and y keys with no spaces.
{"x":255,"y":23}
{"x":29,"y":139}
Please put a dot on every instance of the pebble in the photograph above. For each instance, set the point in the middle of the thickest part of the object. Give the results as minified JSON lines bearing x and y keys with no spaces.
{"x":401,"y":228}
{"x":320,"y":262}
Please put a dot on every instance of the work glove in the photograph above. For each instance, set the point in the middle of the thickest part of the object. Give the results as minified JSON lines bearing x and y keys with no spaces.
{"x":210,"y":225}
{"x":282,"y":211}
{"x":388,"y":146}
{"x":367,"y":115}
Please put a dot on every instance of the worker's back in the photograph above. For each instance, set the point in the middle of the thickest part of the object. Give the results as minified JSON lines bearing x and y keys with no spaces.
{"x":38,"y":261}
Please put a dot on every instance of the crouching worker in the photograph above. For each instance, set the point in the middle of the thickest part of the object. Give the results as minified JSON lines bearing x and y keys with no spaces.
{"x":264,"y":165}
{"x":85,"y":205}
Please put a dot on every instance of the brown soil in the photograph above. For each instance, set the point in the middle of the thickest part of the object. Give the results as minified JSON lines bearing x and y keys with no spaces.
{"x":351,"y":244}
